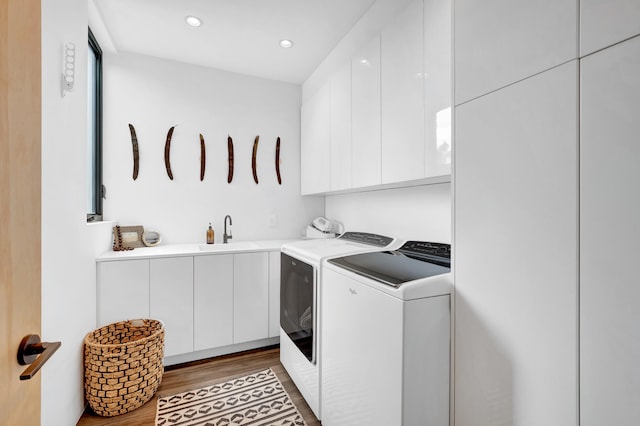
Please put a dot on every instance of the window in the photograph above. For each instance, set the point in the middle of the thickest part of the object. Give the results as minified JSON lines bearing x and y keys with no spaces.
{"x":95,"y":189}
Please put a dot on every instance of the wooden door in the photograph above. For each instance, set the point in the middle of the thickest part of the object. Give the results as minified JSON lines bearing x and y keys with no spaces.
{"x":20,"y":126}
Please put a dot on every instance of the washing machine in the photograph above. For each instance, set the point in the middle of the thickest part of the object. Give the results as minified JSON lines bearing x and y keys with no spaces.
{"x":386,"y":337}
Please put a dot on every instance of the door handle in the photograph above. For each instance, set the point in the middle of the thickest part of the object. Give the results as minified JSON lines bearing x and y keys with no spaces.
{"x":34,"y":352}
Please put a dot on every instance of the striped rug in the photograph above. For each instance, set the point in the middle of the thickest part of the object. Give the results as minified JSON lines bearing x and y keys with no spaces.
{"x":257,"y":399}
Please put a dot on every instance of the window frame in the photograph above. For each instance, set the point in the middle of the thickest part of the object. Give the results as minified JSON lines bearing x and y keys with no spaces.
{"x":97,"y":187}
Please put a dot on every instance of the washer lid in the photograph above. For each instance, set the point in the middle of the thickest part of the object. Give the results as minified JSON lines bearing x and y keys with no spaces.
{"x":414,"y":260}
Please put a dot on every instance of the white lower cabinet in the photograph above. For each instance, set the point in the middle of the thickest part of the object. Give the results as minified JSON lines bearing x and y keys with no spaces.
{"x":609,"y":235}
{"x":171,"y":301}
{"x":123,"y":291}
{"x":274,"y":294}
{"x":251,"y":297}
{"x":205,"y":302}
{"x":213,"y":292}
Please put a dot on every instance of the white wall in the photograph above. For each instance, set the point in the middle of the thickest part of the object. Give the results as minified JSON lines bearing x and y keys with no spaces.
{"x":155,"y":94}
{"x":69,"y":245}
{"x":414,"y":213}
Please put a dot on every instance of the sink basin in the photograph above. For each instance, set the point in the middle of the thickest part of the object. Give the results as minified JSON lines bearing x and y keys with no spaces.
{"x":239,"y":246}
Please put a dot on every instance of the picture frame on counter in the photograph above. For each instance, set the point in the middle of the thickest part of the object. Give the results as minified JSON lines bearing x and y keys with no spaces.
{"x":131,"y":236}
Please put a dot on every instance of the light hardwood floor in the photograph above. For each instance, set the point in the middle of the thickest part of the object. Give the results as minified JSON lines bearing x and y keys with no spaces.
{"x":198,"y":374}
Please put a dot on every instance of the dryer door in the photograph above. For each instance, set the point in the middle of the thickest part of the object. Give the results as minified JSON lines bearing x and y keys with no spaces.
{"x":297,"y":303}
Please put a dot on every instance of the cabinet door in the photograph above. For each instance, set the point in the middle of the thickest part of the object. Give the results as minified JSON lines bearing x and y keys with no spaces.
{"x":403,"y":96}
{"x":365,"y":115}
{"x":341,"y":128}
{"x":315,"y":144}
{"x":437,"y":87}
{"x":171,"y":300}
{"x":123,"y":291}
{"x":606,"y":22}
{"x":609,"y":235}
{"x":516,"y":255}
{"x":500,"y":42}
{"x":251,"y":297}
{"x":274,"y":294}
{"x":212,"y":301}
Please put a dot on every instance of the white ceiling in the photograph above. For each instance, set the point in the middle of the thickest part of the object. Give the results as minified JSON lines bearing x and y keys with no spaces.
{"x":236,"y":35}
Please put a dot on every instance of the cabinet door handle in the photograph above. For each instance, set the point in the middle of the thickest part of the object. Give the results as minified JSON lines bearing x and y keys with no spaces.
{"x":34,"y":352}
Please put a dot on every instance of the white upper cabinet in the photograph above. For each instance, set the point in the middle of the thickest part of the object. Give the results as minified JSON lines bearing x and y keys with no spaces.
{"x":516,"y":254}
{"x":171,"y":301}
{"x":402,"y":85}
{"x":315,"y":150}
{"x":341,"y":128}
{"x":365,"y":115}
{"x":437,"y":87}
{"x":384,"y":116}
{"x":606,"y":22}
{"x":499,"y":42}
{"x":609,"y":235}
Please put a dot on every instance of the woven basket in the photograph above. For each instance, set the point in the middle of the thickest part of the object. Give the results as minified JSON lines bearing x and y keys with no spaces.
{"x":123,"y":365}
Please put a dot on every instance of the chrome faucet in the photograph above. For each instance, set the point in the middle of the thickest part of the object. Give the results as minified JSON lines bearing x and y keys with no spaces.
{"x":226,"y":237}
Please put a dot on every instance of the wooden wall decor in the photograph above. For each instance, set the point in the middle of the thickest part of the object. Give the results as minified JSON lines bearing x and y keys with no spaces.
{"x":167,"y":152}
{"x":230,"y":157}
{"x":203,"y":157}
{"x":136,"y":152}
{"x":278,"y":161}
{"x":254,"y":156}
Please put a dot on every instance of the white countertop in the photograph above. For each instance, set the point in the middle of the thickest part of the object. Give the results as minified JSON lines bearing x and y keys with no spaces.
{"x":173,"y":250}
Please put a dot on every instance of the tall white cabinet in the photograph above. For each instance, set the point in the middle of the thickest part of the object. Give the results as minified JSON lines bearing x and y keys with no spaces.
{"x":529,"y":225}
{"x":609,"y":235}
{"x":516,"y":254}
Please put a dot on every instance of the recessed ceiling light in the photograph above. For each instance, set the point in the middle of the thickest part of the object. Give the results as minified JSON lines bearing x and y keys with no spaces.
{"x":286,"y":43}
{"x":193,"y":21}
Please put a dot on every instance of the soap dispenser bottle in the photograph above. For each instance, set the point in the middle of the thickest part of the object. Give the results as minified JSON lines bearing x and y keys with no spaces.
{"x":210,"y":234}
